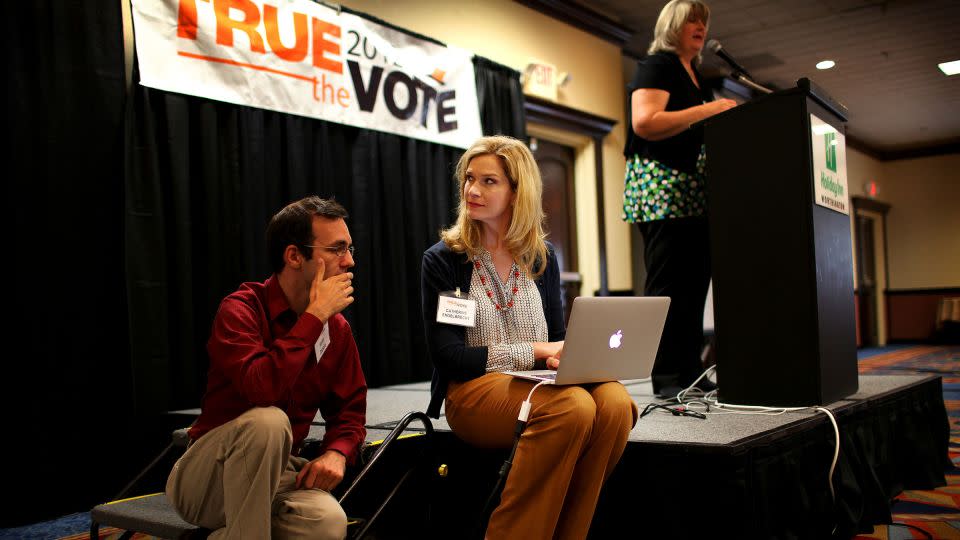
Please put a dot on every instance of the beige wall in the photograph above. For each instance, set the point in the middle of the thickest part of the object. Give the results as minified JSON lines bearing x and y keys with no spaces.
{"x":514,"y":35}
{"x":923,"y":225}
{"x":861,"y":168}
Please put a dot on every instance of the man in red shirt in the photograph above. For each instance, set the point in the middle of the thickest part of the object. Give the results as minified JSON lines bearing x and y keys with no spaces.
{"x":279,"y":351}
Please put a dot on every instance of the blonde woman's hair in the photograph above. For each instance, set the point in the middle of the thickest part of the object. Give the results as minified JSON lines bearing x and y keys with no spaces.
{"x":525,"y":237}
{"x":666,"y":34}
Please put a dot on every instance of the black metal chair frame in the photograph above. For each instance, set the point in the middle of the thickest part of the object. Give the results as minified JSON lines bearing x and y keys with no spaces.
{"x":387,"y":442}
{"x":351,"y":490}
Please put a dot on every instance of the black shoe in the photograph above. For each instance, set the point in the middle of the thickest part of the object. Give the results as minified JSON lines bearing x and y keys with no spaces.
{"x":706,"y":385}
{"x":668,"y":392}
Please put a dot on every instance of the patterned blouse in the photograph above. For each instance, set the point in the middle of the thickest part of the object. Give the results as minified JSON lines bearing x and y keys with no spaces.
{"x":507,"y":333}
{"x":655,"y":191}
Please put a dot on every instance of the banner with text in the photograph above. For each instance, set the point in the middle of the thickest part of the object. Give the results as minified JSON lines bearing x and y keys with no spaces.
{"x":301,"y":57}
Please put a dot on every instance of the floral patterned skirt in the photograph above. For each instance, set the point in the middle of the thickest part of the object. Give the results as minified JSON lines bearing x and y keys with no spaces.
{"x":655,"y":191}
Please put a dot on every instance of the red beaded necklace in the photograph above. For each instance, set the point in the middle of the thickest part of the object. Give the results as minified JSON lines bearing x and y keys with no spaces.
{"x":483,"y":281}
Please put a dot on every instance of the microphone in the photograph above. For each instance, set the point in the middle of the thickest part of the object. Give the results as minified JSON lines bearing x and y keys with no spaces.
{"x":718,"y":50}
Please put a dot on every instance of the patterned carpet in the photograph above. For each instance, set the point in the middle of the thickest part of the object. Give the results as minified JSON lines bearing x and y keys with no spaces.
{"x":71,"y":527}
{"x":936,"y":512}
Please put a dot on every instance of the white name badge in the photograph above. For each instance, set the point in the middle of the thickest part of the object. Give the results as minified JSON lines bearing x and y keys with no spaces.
{"x":320,"y":346}
{"x":460,"y":311}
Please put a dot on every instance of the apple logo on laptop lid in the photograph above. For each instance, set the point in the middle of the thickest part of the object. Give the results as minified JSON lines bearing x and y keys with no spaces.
{"x":616,"y":339}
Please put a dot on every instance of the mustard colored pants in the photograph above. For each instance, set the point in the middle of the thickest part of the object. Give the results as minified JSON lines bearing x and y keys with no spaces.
{"x":574,"y":438}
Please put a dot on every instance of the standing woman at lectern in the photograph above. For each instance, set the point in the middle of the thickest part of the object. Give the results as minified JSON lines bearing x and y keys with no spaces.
{"x":664,"y":192}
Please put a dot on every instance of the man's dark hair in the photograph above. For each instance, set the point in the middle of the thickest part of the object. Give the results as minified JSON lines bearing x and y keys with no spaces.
{"x":294,"y":226}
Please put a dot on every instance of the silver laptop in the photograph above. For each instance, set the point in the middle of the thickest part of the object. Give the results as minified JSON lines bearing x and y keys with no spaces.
{"x":609,"y":338}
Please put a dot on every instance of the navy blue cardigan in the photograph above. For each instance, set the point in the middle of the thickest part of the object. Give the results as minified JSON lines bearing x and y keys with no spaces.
{"x":443,"y":271}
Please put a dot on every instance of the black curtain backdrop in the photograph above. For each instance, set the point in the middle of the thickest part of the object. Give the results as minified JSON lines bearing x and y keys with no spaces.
{"x":501,"y":99}
{"x":203,"y":179}
{"x":67,"y":376}
{"x":135,"y":214}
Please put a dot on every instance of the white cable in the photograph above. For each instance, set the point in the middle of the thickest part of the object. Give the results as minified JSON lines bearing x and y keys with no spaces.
{"x":758,"y":408}
{"x":775,"y":411}
{"x":530,"y":395}
{"x":683,"y":392}
{"x":710,"y":398}
{"x":731,"y":408}
{"x":724,"y":410}
{"x":526,"y":405}
{"x":836,"y":449}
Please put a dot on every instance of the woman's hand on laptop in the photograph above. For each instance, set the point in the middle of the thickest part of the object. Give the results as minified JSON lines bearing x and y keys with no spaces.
{"x":550,"y":351}
{"x":544,"y":349}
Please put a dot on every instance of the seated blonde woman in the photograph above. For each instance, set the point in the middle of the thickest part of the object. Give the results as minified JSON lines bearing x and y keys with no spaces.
{"x":495,"y":254}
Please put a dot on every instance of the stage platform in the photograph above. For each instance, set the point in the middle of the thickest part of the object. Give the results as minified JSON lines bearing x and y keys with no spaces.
{"x":738,"y":475}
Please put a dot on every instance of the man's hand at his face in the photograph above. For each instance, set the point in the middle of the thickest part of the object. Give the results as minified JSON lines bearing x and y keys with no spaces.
{"x":329,"y":296}
{"x":324,"y":473}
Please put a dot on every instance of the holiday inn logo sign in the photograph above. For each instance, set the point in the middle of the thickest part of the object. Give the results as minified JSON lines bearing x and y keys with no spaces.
{"x":829,"y":166}
{"x":830,"y":148}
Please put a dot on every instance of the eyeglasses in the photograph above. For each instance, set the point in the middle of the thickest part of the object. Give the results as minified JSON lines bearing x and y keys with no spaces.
{"x":339,"y":250}
{"x":678,"y":410}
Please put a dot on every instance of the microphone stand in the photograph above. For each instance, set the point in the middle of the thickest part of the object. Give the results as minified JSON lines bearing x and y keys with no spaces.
{"x":740,"y":77}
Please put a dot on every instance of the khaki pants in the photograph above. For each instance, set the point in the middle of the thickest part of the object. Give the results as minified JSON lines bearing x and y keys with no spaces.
{"x":575,"y":436}
{"x":240,"y":480}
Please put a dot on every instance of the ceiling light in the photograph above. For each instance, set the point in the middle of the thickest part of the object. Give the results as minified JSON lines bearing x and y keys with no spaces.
{"x":826,"y":64}
{"x":950,"y":68}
